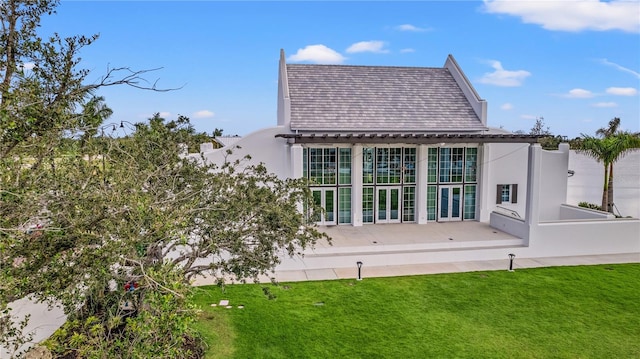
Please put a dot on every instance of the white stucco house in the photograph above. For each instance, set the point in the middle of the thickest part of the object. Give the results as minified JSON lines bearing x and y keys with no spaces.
{"x":411,"y":146}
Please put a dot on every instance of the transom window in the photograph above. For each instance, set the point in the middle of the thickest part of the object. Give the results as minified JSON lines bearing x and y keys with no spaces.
{"x":451,"y":160}
{"x":322,"y":165}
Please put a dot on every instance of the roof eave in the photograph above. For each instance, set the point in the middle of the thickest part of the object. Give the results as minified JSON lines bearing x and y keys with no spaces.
{"x":406,"y":138}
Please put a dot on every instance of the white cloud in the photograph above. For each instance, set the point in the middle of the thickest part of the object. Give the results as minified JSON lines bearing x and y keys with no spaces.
{"x":318,"y":54}
{"x":368,"y":46}
{"x":578,"y":93}
{"x":572,"y":15}
{"x":605,"y":104}
{"x":506,"y":106}
{"x":203,"y":114}
{"x":502,"y":77}
{"x":409,"y":27}
{"x":164,"y":114}
{"x":406,"y":51}
{"x":528,"y":117}
{"x":621,"y":68}
{"x":622,"y":91}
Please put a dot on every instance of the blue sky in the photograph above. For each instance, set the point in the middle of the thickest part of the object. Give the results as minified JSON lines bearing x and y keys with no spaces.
{"x":574,"y":63}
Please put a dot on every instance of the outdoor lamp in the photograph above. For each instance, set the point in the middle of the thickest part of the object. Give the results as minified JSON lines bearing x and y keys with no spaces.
{"x":511,"y":257}
{"x":359,"y":270}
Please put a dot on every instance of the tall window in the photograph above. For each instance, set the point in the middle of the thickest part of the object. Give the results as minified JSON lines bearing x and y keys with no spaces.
{"x":455,"y":168}
{"x":409,"y":165}
{"x":329,"y":172}
{"x":432,"y":199}
{"x":451,"y":160}
{"x":388,"y":165}
{"x":305,"y":162}
{"x":322,"y":166}
{"x":344,"y":172}
{"x":367,"y":205}
{"x":344,"y":205}
{"x":469,"y":209}
{"x":445,"y":165}
{"x":432,"y":165}
{"x":367,"y":165}
{"x":408,"y":203}
{"x":457,"y":156}
{"x":471,"y":164}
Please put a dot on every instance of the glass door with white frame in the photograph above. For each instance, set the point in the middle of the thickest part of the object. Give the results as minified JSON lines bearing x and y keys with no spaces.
{"x":450,"y":203}
{"x":325,"y":198}
{"x":388,"y":205}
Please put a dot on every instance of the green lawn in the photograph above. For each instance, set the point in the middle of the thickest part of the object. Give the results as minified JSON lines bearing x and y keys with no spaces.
{"x":561,"y":312}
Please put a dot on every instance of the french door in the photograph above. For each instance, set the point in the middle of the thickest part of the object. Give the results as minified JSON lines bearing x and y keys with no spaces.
{"x":325,"y":198}
{"x":388,"y":205}
{"x":450,"y":201}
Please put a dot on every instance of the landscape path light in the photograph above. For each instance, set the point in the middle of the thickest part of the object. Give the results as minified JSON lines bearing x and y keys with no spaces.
{"x":359,"y":264}
{"x":511,"y":257}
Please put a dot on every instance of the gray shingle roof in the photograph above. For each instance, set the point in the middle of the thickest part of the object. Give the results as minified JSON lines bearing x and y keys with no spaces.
{"x":377,"y":98}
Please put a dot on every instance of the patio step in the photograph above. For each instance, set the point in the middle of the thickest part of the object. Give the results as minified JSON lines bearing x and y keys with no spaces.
{"x":385,"y":255}
{"x":413,"y":247}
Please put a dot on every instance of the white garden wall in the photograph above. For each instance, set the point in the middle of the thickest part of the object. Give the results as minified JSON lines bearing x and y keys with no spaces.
{"x":262,"y":146}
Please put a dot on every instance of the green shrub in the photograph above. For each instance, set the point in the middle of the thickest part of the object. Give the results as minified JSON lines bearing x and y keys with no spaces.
{"x":589,"y":205}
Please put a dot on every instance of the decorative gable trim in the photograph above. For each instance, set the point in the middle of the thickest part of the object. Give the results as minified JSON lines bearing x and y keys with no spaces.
{"x":284,"y":99}
{"x":478,"y":104}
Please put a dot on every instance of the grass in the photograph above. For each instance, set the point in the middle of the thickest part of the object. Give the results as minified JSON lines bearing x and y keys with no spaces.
{"x":560,"y":312}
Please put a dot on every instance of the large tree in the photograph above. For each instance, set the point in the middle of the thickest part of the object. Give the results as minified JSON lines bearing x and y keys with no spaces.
{"x":608,"y":147}
{"x":41,"y":84}
{"x":546,"y":139}
{"x":78,"y":229}
{"x":142,"y":215}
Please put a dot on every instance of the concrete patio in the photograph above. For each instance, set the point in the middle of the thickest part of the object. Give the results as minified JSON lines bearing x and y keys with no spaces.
{"x":412,"y":249}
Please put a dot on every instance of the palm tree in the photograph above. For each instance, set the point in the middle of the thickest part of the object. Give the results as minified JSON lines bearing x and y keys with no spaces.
{"x":604,"y":132}
{"x":94,"y":112}
{"x":609,"y":149}
{"x":611,"y":130}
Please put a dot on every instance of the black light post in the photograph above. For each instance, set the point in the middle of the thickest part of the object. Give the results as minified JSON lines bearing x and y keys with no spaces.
{"x":359,"y":270}
{"x":511,"y":257}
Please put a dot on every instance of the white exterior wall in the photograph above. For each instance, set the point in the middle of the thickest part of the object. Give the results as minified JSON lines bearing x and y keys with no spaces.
{"x":568,"y":212}
{"x":502,"y":163}
{"x":553,"y":182}
{"x":263,"y":147}
{"x":587,"y":182}
{"x":584,"y":237}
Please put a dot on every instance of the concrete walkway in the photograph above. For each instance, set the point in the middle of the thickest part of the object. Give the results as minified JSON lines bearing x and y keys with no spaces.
{"x":435,"y":268}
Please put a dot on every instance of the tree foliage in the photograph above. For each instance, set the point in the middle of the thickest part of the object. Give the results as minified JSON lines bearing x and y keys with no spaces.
{"x":546,"y":138}
{"x":140,"y":212}
{"x":114,"y":227}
